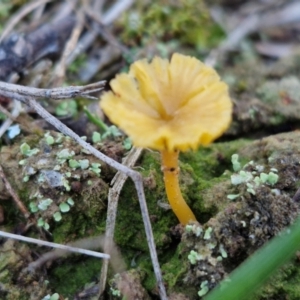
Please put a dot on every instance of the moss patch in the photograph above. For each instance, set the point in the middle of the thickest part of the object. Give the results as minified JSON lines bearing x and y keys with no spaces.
{"x":73,"y":274}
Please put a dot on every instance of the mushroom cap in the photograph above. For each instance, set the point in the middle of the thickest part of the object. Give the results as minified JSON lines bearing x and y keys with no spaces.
{"x":176,"y":105}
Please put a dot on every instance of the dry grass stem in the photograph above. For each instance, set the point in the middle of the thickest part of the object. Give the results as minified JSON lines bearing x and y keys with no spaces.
{"x":107,"y":18}
{"x":60,"y":70}
{"x":63,"y":249}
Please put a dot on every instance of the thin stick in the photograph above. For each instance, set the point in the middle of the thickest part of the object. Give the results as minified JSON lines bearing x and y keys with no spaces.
{"x":107,"y":18}
{"x":104,"y":31}
{"x":15,"y":197}
{"x":54,"y":94}
{"x":54,"y":245}
{"x":60,"y":70}
{"x":135,"y":176}
{"x":113,"y":199}
{"x":115,"y":11}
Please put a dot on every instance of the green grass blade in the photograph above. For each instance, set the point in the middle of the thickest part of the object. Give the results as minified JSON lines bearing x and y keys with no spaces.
{"x":256,"y":269}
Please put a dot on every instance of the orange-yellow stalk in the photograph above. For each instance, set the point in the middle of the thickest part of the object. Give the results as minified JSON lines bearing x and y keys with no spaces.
{"x":171,"y":171}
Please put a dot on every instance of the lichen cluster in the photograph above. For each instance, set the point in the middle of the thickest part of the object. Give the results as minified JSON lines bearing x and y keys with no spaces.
{"x":52,"y":175}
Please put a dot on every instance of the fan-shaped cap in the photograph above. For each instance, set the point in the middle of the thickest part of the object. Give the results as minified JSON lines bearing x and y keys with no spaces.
{"x":169,"y":105}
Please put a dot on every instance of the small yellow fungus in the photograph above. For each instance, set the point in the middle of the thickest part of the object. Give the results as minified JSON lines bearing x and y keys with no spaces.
{"x":170,"y":106}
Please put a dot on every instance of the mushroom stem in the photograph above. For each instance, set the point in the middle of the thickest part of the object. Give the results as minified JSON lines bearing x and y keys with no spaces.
{"x":171,"y":171}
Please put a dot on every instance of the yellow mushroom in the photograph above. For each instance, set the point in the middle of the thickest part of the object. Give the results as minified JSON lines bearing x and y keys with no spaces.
{"x":170,"y":106}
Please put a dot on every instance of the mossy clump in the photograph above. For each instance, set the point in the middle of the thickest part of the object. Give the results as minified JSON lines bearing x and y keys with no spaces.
{"x":128,"y":284}
{"x":283,"y":96}
{"x":248,"y":221}
{"x":188,"y":21}
{"x":53,"y":175}
{"x":84,"y":270}
{"x":16,"y":282}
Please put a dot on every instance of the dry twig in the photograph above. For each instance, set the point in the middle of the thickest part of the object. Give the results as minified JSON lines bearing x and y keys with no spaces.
{"x":62,"y":248}
{"x":60,"y":70}
{"x":55,"y":94}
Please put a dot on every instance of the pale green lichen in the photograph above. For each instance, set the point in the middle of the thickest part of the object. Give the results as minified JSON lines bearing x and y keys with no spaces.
{"x":96,"y":168}
{"x":235,"y":162}
{"x":232,"y":196}
{"x":249,"y":177}
{"x":73,"y":163}
{"x":54,"y":296}
{"x":57,"y":216}
{"x":115,"y":292}
{"x":197,"y":230}
{"x":127,"y":144}
{"x":42,"y":223}
{"x":203,"y":288}
{"x":27,"y":151}
{"x":70,"y":201}
{"x":207,"y":234}
{"x":64,"y":207}
{"x":64,"y":155}
{"x":59,"y":138}
{"x":44,"y":204}
{"x":193,"y":257}
{"x":84,"y":164}
{"x":49,"y":139}
{"x":22,"y":162}
{"x":33,"y":207}
{"x":96,"y":137}
{"x":66,"y":184}
{"x":242,"y":176}
{"x":223,"y":251}
{"x":250,"y":189}
{"x":26,"y":178}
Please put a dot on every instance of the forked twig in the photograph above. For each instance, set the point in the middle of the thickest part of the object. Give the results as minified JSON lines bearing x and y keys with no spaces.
{"x":135,"y":176}
{"x":113,"y":198}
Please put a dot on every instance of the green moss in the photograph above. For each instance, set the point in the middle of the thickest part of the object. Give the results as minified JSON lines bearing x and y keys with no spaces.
{"x":71,"y":276}
{"x":200,"y":171}
{"x":174,"y":269}
{"x":188,"y":22}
